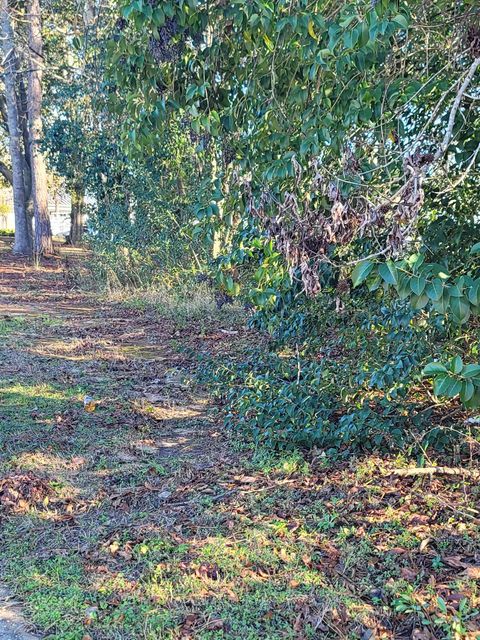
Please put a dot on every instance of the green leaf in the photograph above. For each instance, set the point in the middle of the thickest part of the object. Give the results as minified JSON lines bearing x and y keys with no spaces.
{"x":126,"y":11}
{"x":433,"y":368}
{"x":158,"y":17}
{"x":434,"y":289}
{"x":345,"y":22}
{"x":447,"y":386}
{"x":471,"y":371}
{"x":442,"y":305}
{"x":403,"y":286}
{"x":439,"y":270}
{"x":364,"y":35}
{"x":191,"y":91}
{"x":473,"y":293}
{"x":474,"y":401}
{"x":456,"y":364}
{"x":460,"y":310}
{"x":455,"y":291}
{"x":401,"y":20}
{"x":442,"y":605}
{"x":374,"y":284}
{"x":475,"y":249}
{"x":467,"y":391}
{"x":361,"y":272}
{"x":417,"y":285}
{"x":415,"y":261}
{"x":388,"y":272}
{"x":419,"y":302}
{"x":229,"y":284}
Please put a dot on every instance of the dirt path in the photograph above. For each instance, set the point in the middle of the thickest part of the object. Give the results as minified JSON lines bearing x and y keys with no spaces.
{"x":149,"y":417}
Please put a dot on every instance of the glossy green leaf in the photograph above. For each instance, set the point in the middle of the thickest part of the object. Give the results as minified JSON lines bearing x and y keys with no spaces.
{"x":473,"y":293}
{"x":419,"y":302}
{"x":442,"y":305}
{"x":403,"y":286}
{"x":447,"y":386}
{"x":455,"y":291}
{"x":434,"y":289}
{"x":456,"y":364}
{"x":460,"y":310}
{"x":467,"y":391}
{"x":474,"y":401}
{"x":417,"y":285}
{"x":388,"y":272}
{"x":401,"y":20}
{"x":433,"y":368}
{"x":361,"y":272}
{"x":471,"y":371}
{"x":475,"y":249}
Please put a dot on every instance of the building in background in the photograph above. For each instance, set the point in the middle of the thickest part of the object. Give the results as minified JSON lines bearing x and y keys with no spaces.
{"x":59,"y":206}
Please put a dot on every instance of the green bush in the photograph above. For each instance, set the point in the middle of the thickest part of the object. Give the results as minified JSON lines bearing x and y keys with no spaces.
{"x":355,"y":383}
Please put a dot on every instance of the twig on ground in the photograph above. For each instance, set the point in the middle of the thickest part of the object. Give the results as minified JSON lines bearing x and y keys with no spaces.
{"x":439,"y":471}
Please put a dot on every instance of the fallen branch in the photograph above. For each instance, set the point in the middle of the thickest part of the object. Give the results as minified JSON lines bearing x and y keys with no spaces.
{"x":438,"y":471}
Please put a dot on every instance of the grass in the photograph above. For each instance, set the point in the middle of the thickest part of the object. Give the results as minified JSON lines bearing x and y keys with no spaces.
{"x":183,"y":304}
{"x":25,"y":327}
{"x":153,"y":523}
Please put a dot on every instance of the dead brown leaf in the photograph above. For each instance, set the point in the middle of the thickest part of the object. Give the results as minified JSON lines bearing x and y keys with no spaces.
{"x":457,"y":562}
{"x":421,"y":634}
{"x":472,"y":572}
{"x":19,"y":492}
{"x":408,"y":574}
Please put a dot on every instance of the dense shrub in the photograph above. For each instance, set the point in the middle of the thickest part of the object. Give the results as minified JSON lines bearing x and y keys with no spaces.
{"x":355,"y":383}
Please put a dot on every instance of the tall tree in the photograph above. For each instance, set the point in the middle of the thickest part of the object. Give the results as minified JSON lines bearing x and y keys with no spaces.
{"x":22,"y":244}
{"x":43,"y":232}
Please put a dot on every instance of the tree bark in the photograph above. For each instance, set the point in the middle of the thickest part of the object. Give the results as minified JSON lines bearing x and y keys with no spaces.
{"x":22,"y":103}
{"x":43,"y":244}
{"x":22,"y":244}
{"x":77,"y":195}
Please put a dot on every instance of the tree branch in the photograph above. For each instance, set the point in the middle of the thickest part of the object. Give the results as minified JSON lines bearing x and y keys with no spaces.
{"x":456,"y":105}
{"x":6,"y":172}
{"x":464,"y":175}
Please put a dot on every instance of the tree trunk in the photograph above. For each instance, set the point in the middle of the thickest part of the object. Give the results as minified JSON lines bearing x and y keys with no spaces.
{"x":29,"y":204}
{"x":43,"y":232}
{"x":77,"y":195}
{"x":22,"y":105}
{"x":22,"y":244}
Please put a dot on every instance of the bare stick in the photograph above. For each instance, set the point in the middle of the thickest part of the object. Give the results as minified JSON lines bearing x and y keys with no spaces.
{"x":439,"y":471}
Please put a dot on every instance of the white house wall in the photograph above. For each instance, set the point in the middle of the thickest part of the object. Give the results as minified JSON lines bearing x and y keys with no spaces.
{"x":59,"y":207}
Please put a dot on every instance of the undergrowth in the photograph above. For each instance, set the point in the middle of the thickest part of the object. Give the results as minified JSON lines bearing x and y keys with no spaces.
{"x":344,"y":382}
{"x":182,"y":302}
{"x":143,"y":519}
